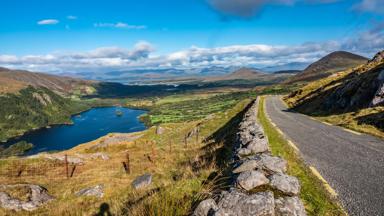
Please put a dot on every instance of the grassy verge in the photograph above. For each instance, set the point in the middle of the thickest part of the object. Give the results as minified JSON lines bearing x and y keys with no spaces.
{"x":316,"y":199}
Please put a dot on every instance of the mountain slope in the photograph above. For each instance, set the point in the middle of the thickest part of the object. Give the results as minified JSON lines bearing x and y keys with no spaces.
{"x":353,"y":95}
{"x":33,"y":108}
{"x":329,"y":64}
{"x":12,"y":81}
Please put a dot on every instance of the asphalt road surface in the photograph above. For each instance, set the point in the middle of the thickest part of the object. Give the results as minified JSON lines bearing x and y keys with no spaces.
{"x":352,"y":164}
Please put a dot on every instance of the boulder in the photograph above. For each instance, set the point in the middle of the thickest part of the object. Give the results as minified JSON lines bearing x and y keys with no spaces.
{"x":97,"y":191}
{"x":205,"y":208}
{"x":235,"y":203}
{"x":287,"y":184}
{"x":249,"y":180}
{"x":142,"y":181}
{"x":37,"y":196}
{"x":289,"y":206}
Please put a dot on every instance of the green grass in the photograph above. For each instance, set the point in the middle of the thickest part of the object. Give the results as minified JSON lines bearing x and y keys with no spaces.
{"x":316,"y":199}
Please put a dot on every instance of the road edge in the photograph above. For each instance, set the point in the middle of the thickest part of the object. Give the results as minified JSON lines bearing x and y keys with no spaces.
{"x":331,"y":192}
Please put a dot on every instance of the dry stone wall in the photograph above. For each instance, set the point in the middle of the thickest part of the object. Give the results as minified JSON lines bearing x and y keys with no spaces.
{"x":260,"y":186}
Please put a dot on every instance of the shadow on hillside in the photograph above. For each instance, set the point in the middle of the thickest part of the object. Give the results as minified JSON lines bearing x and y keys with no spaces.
{"x":104,"y":210}
{"x":376,"y":120}
{"x":219,"y":150}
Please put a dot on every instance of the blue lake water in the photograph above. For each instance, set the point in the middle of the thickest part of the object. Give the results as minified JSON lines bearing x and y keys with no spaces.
{"x":87,"y":126}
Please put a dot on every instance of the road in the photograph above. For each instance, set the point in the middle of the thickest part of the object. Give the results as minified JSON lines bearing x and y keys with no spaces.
{"x":352,"y":164}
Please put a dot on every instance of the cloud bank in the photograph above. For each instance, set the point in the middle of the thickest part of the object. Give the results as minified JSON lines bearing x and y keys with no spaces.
{"x":143,"y":55}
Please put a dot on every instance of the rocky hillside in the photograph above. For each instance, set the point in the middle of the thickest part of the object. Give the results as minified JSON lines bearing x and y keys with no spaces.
{"x":353,"y":98}
{"x":12,"y":81}
{"x":345,"y":91}
{"x":329,"y":64}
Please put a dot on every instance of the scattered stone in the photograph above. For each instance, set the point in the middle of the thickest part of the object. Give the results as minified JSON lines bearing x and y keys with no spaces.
{"x":249,"y":180}
{"x":289,"y":206}
{"x":142,"y":181}
{"x":243,"y":152}
{"x":205,"y":208}
{"x":37,"y":196}
{"x":287,"y":184}
{"x":235,"y":203}
{"x":159,"y":130}
{"x":97,"y":191}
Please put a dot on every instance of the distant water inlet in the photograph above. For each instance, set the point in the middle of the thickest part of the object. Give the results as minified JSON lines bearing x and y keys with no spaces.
{"x":86,"y":127}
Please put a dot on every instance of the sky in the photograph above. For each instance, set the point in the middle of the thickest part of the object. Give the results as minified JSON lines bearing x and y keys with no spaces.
{"x":93,"y":35}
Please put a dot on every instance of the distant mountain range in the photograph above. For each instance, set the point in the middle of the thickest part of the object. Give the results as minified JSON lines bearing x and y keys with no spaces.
{"x":329,"y":64}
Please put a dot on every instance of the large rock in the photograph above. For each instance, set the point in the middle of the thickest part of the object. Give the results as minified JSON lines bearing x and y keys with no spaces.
{"x":142,"y":181}
{"x":289,"y":206}
{"x":249,"y":180}
{"x":97,"y":191}
{"x":235,"y":203}
{"x":37,"y":196}
{"x":378,"y":98}
{"x":287,"y":184}
{"x":205,"y":208}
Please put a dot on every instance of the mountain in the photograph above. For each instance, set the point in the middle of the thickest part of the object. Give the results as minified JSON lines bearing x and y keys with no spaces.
{"x":284,"y":67}
{"x":12,"y":81}
{"x":240,"y":74}
{"x":327,"y":65}
{"x":356,"y":95}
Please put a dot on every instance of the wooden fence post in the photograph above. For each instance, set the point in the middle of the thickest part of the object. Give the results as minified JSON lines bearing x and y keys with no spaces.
{"x":73,"y":170}
{"x":66,"y":165}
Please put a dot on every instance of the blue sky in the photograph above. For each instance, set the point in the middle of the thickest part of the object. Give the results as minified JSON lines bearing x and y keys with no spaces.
{"x":162,"y":30}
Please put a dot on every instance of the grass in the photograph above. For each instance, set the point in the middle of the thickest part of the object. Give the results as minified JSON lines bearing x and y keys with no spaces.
{"x":182,"y":174}
{"x":316,"y":199}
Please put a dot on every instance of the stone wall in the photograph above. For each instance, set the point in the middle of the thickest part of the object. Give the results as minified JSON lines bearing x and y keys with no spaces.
{"x":260,"y":185}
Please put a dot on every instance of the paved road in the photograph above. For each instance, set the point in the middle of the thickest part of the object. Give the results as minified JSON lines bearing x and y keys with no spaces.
{"x":352,"y":164}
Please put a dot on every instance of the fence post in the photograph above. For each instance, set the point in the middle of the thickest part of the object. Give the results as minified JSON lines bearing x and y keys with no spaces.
{"x":185,"y":141}
{"x":128,"y":164}
{"x":73,"y":170}
{"x":66,"y":165}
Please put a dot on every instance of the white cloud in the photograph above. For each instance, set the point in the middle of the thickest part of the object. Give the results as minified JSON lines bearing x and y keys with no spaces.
{"x":71,"y":17}
{"x":119,"y":25}
{"x":48,"y":22}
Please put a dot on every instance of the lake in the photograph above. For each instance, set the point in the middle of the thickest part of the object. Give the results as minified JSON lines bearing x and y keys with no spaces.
{"x":87,"y":126}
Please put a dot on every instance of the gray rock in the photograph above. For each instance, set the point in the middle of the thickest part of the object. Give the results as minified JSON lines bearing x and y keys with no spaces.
{"x":287,"y":184}
{"x":97,"y":191}
{"x":142,"y":181}
{"x":235,"y":203}
{"x":248,"y":165}
{"x":249,"y":180}
{"x":37,"y":196}
{"x":205,"y":208}
{"x":289,"y":206}
{"x":273,"y":164}
{"x":243,"y":152}
{"x":378,"y":98}
{"x":258,"y":145}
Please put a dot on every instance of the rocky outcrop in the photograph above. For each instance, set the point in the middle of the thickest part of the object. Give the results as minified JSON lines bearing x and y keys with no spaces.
{"x":142,"y":181}
{"x":97,"y":191}
{"x":260,"y":185}
{"x":36,"y":196}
